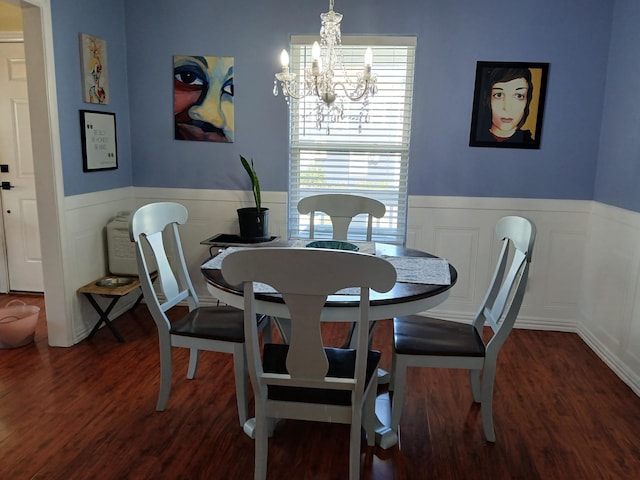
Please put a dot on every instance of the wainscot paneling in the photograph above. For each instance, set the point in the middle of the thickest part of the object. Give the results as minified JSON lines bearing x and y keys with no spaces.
{"x":610,"y":290}
{"x":87,"y":216}
{"x":462,"y":230}
{"x":212,"y":212}
{"x":584,"y":278}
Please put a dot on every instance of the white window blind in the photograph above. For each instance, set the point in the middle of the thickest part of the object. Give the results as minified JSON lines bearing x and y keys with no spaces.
{"x":369,"y":159}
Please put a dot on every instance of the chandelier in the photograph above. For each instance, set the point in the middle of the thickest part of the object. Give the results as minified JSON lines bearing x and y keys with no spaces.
{"x":321,"y":78}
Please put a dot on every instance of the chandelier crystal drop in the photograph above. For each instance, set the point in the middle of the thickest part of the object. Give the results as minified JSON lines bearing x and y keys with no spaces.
{"x":320,"y":79}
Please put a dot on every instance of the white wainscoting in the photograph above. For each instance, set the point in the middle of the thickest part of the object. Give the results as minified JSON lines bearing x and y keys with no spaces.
{"x":585,"y":271}
{"x":610,"y":290}
{"x":462,"y":230}
{"x":584,"y":277}
{"x":86,"y":219}
{"x":212,"y":212}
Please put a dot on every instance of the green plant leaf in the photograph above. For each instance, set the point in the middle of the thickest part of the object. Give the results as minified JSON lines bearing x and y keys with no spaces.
{"x":255,"y":183}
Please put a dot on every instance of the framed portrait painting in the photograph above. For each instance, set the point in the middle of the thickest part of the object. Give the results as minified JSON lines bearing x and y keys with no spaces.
{"x":99,"y":143}
{"x":508,"y":104}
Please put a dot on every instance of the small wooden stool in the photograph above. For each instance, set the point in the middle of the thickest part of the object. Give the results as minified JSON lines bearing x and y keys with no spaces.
{"x":114,"y":287}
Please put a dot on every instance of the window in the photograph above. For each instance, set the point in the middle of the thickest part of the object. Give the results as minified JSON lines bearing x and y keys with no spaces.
{"x":369,"y":158}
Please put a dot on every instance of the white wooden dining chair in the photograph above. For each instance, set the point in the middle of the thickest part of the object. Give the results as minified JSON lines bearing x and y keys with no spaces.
{"x":304,"y":380}
{"x":430,"y":342}
{"x":218,"y":329}
{"x":341,"y":208}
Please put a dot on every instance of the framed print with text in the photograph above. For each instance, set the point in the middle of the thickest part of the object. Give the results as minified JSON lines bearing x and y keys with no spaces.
{"x":99,"y":143}
{"x":508,"y":104}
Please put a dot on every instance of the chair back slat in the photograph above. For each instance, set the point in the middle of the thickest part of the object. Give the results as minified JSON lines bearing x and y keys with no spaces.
{"x":156,"y":225}
{"x":306,"y":340}
{"x":305,"y":277}
{"x":504,"y":297}
{"x":341,"y":209}
{"x":167,"y":280}
{"x":509,"y":285}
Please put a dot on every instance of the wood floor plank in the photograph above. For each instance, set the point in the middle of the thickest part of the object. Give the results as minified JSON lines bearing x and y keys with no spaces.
{"x":88,"y":411}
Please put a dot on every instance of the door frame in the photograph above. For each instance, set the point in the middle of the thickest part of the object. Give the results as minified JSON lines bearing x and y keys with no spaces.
{"x":47,"y":158}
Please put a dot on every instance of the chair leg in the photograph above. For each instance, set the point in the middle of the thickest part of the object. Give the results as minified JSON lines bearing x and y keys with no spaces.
{"x":261,"y":444}
{"x":392,"y":375}
{"x":486,"y":405}
{"x":347,"y":341}
{"x":352,"y":328}
{"x":354,"y":445}
{"x":166,"y":371}
{"x":474,"y":379}
{"x":399,"y":378}
{"x":241,"y":377}
{"x":194,"y":358}
{"x":369,"y":413}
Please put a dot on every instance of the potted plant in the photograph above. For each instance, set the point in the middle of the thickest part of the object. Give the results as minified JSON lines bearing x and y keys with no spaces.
{"x":253,"y":221}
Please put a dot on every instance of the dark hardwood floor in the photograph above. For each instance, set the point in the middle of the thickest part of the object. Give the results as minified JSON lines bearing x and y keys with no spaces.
{"x":88,"y":412}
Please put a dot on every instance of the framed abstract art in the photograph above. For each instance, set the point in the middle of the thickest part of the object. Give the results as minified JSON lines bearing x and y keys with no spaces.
{"x":95,"y":70}
{"x":203,"y":98}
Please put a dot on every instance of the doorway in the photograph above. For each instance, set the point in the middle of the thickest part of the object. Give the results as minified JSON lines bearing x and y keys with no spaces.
{"x":47,"y":162}
{"x":21,"y":258}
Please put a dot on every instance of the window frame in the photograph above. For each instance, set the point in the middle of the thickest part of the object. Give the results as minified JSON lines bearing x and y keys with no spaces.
{"x":349,"y":146}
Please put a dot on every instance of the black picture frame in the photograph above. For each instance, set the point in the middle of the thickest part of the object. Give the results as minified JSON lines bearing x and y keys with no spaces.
{"x":99,"y":140}
{"x":512,"y":78}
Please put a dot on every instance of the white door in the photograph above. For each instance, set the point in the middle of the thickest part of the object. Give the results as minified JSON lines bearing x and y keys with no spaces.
{"x":23,"y":262}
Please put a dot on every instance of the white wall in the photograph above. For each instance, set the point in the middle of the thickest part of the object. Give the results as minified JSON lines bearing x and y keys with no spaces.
{"x":610,"y":290}
{"x":584,"y":276}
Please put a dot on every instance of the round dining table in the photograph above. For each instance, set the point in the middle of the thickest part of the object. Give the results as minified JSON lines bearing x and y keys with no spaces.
{"x":403,"y":299}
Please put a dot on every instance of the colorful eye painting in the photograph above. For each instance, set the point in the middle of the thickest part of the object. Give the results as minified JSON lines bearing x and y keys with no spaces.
{"x":203,"y":98}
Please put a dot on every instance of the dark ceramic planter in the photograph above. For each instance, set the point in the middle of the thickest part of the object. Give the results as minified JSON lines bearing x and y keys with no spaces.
{"x":254,"y":225}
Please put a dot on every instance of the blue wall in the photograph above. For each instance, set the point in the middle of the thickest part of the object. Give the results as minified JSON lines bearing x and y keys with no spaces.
{"x":573,"y":36}
{"x":618,"y":175}
{"x":102,"y":19}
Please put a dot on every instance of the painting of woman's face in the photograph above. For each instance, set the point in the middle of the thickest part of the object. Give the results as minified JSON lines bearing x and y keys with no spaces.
{"x":203,"y":98}
{"x":508,"y":103}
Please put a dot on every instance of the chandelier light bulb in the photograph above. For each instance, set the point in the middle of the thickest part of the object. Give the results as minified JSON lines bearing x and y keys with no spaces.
{"x":315,"y":51}
{"x":368,"y":57}
{"x":284,"y":58}
{"x":316,"y":64}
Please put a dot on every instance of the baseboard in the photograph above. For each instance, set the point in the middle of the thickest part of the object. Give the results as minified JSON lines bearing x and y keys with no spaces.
{"x":613,"y":362}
